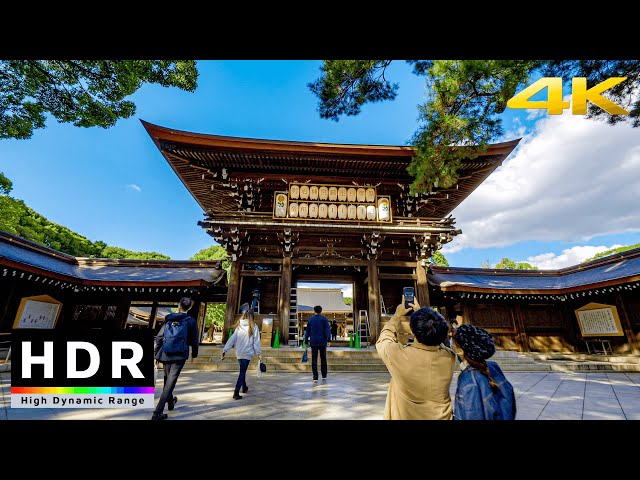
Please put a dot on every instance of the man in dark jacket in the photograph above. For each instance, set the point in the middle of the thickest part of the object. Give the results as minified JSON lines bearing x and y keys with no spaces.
{"x":317,"y":334}
{"x":174,"y":360}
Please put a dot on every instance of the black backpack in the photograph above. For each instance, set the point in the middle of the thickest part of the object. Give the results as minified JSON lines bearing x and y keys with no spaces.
{"x":175,"y":339}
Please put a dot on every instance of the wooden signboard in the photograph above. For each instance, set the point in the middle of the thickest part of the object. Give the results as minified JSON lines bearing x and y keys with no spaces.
{"x":41,"y":311}
{"x":599,"y":320}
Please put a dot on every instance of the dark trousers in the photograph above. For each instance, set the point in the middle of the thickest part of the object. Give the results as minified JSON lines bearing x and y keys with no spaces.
{"x":323,"y":361}
{"x":242,"y":378}
{"x":171,"y":373}
{"x":333,"y":336}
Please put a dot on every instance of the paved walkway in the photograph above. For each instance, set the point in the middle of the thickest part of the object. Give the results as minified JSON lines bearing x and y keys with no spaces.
{"x":359,"y":396}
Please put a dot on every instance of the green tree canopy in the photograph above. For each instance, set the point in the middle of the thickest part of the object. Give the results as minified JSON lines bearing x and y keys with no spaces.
{"x":87,"y":93}
{"x":214,"y":252}
{"x":611,"y":252}
{"x":5,"y":185}
{"x":439,"y":259}
{"x":215,"y":312}
{"x":508,"y":264}
{"x":463,"y":103}
{"x":117,"y":252}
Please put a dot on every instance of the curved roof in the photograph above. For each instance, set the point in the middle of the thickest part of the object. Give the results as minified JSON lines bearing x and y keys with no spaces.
{"x":24,"y":255}
{"x":611,"y":270}
{"x":198,"y":160}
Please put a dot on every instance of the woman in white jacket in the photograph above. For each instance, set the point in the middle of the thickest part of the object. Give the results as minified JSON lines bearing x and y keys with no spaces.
{"x":246,"y":340}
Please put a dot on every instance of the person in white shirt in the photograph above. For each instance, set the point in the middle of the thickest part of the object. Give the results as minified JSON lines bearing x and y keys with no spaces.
{"x":246,"y":340}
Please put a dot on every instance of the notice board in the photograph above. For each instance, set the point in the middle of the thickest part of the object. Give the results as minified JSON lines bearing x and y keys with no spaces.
{"x":599,"y":320}
{"x":41,"y":311}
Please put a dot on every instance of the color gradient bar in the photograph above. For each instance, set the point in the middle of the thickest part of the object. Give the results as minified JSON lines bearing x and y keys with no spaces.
{"x":81,"y":390}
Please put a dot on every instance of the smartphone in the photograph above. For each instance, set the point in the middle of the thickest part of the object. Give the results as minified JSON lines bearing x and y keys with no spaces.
{"x":409,"y":296}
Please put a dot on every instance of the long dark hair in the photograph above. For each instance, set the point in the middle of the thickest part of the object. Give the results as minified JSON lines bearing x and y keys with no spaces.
{"x":483,"y":368}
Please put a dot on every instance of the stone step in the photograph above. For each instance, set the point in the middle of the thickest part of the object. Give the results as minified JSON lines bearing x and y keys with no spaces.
{"x":297,"y":358}
{"x":288,"y":367}
{"x":584,"y":357}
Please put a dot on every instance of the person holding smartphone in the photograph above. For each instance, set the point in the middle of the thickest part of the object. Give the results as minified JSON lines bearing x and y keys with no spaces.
{"x":421,"y":372}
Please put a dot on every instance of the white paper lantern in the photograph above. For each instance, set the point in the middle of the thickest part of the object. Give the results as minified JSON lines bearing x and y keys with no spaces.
{"x":303,"y":210}
{"x":352,"y":212}
{"x":281,"y":205}
{"x":333,"y":211}
{"x":361,"y":194}
{"x":371,"y":212}
{"x":313,"y":210}
{"x":322,"y":210}
{"x":351,"y":195}
{"x":342,"y":212}
{"x":333,"y":194}
{"x":383,"y":209}
{"x":304,"y":192}
{"x":295,"y":192}
{"x":361,"y":212}
{"x":323,"y":193}
{"x":313,"y":192}
{"x":342,"y":194}
{"x":293,"y":210}
{"x":371,"y":195}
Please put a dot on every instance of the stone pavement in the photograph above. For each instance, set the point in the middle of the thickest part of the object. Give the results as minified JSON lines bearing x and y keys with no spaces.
{"x":358,"y":396}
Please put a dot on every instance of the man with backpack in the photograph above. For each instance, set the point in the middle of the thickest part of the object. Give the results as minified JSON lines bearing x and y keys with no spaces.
{"x":178,"y":332}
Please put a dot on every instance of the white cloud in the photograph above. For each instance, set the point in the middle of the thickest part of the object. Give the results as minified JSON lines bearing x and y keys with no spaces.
{"x":571,"y":180}
{"x":568,"y":257}
{"x":135,"y":187}
{"x":532,"y":114}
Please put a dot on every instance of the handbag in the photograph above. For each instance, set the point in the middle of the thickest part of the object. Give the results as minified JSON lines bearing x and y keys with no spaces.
{"x":305,"y":356}
{"x":262,"y":368}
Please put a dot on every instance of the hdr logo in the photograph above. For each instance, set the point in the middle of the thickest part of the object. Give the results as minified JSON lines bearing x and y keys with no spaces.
{"x":555,"y":105}
{"x":59,"y":369}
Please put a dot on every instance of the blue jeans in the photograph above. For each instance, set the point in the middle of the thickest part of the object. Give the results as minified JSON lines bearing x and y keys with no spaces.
{"x":242,"y":382}
{"x":171,"y":373}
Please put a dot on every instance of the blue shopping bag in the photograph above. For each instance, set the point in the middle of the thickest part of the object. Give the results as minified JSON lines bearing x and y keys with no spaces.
{"x":305,"y":356}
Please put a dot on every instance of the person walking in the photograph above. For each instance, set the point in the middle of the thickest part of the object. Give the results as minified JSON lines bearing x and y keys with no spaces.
{"x":179,"y":332}
{"x":483,"y":392}
{"x":246,"y":340}
{"x":421,"y":372}
{"x":334,"y":331}
{"x":317,"y":335}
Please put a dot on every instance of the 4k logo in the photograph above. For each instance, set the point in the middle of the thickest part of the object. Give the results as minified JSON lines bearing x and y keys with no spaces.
{"x":554,"y":104}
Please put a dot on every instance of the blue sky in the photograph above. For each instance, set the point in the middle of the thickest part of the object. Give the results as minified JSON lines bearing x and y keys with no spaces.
{"x":548,"y":203}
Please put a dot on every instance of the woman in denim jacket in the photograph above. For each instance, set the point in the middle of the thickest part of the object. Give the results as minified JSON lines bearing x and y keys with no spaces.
{"x":483,"y":392}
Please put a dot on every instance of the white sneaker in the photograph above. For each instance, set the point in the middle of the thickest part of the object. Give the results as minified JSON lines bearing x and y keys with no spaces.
{"x":315,"y":380}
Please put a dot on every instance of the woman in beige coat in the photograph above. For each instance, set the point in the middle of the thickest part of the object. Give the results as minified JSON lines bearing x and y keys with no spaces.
{"x":421,"y":372}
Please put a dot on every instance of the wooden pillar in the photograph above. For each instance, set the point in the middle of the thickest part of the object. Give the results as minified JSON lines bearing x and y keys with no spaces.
{"x":374,"y":299}
{"x":521,"y":331}
{"x":5,"y":321}
{"x":233,"y":293}
{"x":197,"y":312}
{"x":634,"y":343}
{"x":152,"y":315}
{"x":122,"y":312}
{"x":423,"y":288}
{"x":284,"y":299}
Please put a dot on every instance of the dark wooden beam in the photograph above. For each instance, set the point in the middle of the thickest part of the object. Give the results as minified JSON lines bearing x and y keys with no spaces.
{"x":284,"y":302}
{"x":257,"y":273}
{"x":632,"y":338}
{"x":334,"y":262}
{"x":422,"y":286}
{"x":400,"y":276}
{"x":374,"y":300}
{"x":233,"y":293}
{"x":521,"y":331}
